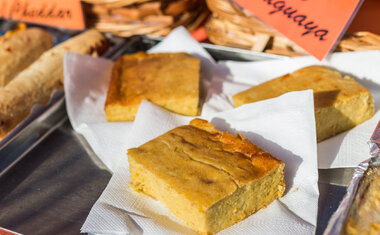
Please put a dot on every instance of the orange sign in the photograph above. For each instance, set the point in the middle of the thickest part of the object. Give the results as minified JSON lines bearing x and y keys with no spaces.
{"x":4,"y":231}
{"x":59,"y":13}
{"x":315,"y":25}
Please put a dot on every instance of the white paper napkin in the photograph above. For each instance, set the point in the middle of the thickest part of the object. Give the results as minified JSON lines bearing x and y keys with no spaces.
{"x":120,"y":211}
{"x":347,"y":149}
{"x":284,"y":126}
{"x":86,"y":84}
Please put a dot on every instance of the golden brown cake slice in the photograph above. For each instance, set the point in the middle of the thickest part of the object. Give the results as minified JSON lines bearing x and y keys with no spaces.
{"x":207,"y":178}
{"x":170,"y":80}
{"x":340,"y":102}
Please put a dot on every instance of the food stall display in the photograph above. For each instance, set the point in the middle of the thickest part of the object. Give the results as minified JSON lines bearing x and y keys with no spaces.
{"x":136,"y":17}
{"x":133,"y":126}
{"x":229,"y":25}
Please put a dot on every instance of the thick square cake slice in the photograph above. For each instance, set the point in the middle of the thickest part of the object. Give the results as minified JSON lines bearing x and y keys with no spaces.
{"x":170,"y":80}
{"x":340,"y":102}
{"x":207,"y":178}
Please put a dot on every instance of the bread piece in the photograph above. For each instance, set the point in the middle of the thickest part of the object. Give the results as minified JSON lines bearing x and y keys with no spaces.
{"x":170,"y":80}
{"x":20,"y":50}
{"x":35,"y":84}
{"x":340,"y":102}
{"x":364,"y":214}
{"x":207,"y":178}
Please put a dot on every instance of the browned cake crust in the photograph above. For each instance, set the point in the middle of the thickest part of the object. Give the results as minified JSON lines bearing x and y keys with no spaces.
{"x":170,"y":80}
{"x":208,"y":178}
{"x":340,"y":102}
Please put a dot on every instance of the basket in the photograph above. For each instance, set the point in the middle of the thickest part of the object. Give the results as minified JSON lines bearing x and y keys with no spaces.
{"x":359,"y":41}
{"x":137,"y":17}
{"x":229,"y":25}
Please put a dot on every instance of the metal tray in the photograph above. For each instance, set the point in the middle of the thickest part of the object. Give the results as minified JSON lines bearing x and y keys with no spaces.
{"x":50,"y":177}
{"x":59,"y":35}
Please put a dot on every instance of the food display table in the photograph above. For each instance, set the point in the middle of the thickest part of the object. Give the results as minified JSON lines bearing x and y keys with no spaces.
{"x":50,"y":178}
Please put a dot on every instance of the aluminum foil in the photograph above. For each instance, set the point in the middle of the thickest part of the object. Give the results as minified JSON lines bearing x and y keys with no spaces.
{"x":338,"y":219}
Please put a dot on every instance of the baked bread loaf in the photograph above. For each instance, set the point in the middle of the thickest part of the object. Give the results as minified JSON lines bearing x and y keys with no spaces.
{"x":364,"y":214}
{"x":207,"y":178}
{"x":170,"y":80}
{"x":340,"y":102}
{"x":20,"y":50}
{"x":35,"y":84}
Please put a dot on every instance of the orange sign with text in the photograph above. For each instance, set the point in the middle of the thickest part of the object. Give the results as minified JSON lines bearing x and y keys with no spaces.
{"x":314,"y":25}
{"x":4,"y":231}
{"x":58,"y":13}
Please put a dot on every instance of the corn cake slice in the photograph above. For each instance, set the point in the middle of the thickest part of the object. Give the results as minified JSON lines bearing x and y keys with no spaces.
{"x":340,"y":102}
{"x":170,"y":80}
{"x":207,"y":178}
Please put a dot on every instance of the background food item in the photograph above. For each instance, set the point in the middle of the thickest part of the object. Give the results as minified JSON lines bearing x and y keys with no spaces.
{"x":229,"y":25}
{"x":364,"y":214}
{"x":232,"y":26}
{"x":207,"y":178}
{"x":359,"y":41}
{"x":136,"y":17}
{"x":340,"y":102}
{"x":20,"y":49}
{"x":170,"y":80}
{"x":35,"y":84}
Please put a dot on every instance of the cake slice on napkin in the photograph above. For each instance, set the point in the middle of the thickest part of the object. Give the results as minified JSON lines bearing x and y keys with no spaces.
{"x":340,"y":102}
{"x":170,"y":80}
{"x":207,"y":178}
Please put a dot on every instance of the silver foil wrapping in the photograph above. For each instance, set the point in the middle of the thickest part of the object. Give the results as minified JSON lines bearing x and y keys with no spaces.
{"x":338,"y":219}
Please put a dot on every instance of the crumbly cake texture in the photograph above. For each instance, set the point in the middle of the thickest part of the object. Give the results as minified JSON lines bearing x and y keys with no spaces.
{"x":170,"y":80}
{"x":207,"y":178}
{"x":364,"y":214}
{"x":340,"y":102}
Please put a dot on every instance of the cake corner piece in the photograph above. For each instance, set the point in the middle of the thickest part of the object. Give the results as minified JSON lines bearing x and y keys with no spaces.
{"x":207,"y":178}
{"x":169,"y":80}
{"x":340,"y":102}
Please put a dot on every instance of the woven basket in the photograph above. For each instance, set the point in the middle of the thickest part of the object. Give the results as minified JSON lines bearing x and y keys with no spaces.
{"x":359,"y":41}
{"x":232,"y":26}
{"x":136,"y":17}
